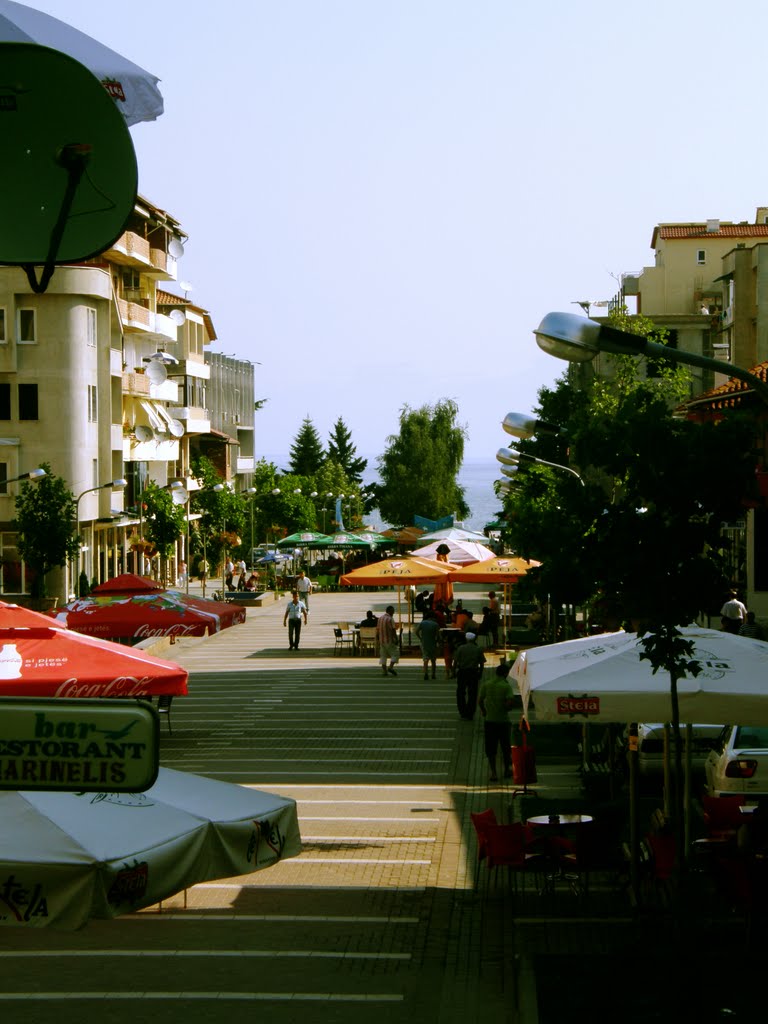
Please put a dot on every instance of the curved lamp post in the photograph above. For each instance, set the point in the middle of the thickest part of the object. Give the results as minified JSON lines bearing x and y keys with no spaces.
{"x":577,"y":339}
{"x":518,"y":424}
{"x":33,"y":474}
{"x":116,"y":485}
{"x":509,"y":457}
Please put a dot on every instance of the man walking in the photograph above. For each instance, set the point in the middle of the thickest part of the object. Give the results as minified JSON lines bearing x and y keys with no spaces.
{"x":496,"y":697}
{"x":389,"y":647}
{"x":733,"y":613}
{"x":293,"y":615}
{"x":304,"y":587}
{"x":468,"y":661}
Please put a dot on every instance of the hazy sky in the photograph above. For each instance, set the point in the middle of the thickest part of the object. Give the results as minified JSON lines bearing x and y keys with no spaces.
{"x":384,"y":198}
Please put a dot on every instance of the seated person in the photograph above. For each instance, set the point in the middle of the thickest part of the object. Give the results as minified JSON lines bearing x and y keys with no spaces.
{"x":469,"y":625}
{"x":369,"y":621}
{"x":252,"y":582}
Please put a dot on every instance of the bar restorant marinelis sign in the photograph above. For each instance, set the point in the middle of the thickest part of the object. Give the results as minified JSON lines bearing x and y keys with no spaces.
{"x":78,"y":745}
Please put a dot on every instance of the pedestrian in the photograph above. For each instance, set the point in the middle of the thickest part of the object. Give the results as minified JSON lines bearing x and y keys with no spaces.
{"x":733,"y":613}
{"x":386,"y":633}
{"x":304,"y":587}
{"x":493,"y":618}
{"x":294,"y":612}
{"x":229,"y":573}
{"x":202,"y":571}
{"x":496,"y":697}
{"x":182,"y":577}
{"x":469,"y":661}
{"x":751,"y":628}
{"x":428,"y":632}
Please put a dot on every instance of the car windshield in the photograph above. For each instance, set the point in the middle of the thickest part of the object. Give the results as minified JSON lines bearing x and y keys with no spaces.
{"x":754,"y":737}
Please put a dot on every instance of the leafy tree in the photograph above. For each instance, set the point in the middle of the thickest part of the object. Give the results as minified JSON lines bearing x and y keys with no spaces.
{"x":164,"y":521}
{"x":222,"y":513}
{"x":419,"y":467}
{"x":289,"y":511}
{"x":307,"y":453}
{"x":641,"y":539}
{"x":344,"y":453}
{"x":45,"y":525}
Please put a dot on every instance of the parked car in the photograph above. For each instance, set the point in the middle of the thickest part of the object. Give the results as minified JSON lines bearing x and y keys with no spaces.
{"x":739,"y":762}
{"x":650,"y":746}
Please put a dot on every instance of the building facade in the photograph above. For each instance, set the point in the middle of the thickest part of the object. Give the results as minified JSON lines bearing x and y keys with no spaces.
{"x":105,"y":377}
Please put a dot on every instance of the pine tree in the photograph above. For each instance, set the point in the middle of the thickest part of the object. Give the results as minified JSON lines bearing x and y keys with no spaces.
{"x":307,"y":455}
{"x":344,"y":453}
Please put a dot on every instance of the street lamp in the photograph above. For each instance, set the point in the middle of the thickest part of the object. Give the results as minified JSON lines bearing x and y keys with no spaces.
{"x":33,"y":475}
{"x":510,"y":457}
{"x":252,"y":492}
{"x":116,"y":485}
{"x":175,"y":486}
{"x":577,"y":339}
{"x":518,"y":424}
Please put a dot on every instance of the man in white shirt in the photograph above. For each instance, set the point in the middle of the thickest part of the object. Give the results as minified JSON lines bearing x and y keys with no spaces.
{"x":733,"y":614}
{"x":294,"y":612}
{"x":304,"y":587}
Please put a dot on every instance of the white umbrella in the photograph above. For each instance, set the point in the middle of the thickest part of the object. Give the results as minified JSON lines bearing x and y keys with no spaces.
{"x":134,"y":90}
{"x":69,"y":857}
{"x":460,"y":552}
{"x":452,"y":533}
{"x":601,"y":678}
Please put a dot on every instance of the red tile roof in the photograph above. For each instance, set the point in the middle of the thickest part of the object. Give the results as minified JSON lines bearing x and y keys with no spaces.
{"x":700,"y":231}
{"x":727,"y":395}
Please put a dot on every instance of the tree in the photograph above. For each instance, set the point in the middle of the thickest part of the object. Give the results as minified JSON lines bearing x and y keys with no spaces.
{"x":164,"y":521}
{"x":640,"y":541}
{"x":307,"y":453}
{"x":344,"y":453}
{"x":222,"y":513}
{"x":419,"y":467}
{"x":45,"y":523}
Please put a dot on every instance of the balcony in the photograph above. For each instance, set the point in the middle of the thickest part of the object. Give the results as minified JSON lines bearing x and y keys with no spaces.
{"x":131,"y":250}
{"x":136,"y":384}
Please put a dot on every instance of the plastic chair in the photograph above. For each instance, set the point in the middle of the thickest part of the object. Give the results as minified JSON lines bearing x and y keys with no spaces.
{"x":722,"y":816}
{"x":505,"y":847}
{"x":481,"y":821}
{"x":164,"y":708}
{"x":368,"y":640}
{"x":343,"y":640}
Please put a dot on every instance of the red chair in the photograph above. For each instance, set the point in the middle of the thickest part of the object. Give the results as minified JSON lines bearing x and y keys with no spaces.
{"x":722,"y":817}
{"x":506,"y":847}
{"x":482,"y":821}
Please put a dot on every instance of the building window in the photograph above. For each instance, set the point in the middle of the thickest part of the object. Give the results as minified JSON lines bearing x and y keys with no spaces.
{"x":5,"y":401}
{"x":27,"y":326}
{"x":3,"y":329}
{"x":3,"y":477}
{"x":93,"y":404}
{"x":28,"y":402}
{"x":701,"y":257}
{"x":90,"y":327}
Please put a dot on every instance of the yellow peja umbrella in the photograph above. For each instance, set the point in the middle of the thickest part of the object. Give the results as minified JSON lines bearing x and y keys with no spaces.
{"x":399,"y":572}
{"x":502,"y":571}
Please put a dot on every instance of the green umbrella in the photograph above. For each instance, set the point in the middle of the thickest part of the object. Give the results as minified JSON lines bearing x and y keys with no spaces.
{"x":304,"y":538}
{"x":371,"y":537}
{"x":341,"y":539}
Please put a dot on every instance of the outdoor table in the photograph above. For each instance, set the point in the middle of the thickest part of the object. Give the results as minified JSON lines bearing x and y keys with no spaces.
{"x":747,"y":808}
{"x":554,"y":846}
{"x":559,"y":819}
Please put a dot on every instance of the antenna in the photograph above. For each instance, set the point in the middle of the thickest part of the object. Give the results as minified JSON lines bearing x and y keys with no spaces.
{"x":177,"y":316}
{"x":176,"y":248}
{"x":144,"y":433}
{"x":157,"y":372}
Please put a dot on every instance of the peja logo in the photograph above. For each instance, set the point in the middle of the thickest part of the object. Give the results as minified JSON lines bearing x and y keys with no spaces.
{"x":573,"y":706}
{"x":269,"y":834}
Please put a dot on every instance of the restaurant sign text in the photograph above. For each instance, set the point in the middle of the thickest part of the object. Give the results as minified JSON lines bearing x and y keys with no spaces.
{"x":82,"y":746}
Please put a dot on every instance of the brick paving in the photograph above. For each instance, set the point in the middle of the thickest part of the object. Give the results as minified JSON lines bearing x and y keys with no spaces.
{"x":381,"y":907}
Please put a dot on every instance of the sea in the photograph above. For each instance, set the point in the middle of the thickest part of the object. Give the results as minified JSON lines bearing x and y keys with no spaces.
{"x":476,"y":477}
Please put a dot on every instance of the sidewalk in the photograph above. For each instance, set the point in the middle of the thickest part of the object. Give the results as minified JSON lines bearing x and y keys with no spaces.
{"x":510,"y":953}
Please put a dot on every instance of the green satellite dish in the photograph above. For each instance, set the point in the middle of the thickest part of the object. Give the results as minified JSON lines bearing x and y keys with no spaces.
{"x":68,"y":176}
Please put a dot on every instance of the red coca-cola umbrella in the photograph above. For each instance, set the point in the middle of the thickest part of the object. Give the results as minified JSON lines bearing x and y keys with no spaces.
{"x":134,"y":607}
{"x":41,"y":658}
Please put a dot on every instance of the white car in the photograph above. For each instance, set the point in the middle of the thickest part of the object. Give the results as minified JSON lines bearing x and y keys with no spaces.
{"x":739,"y":762}
{"x":650,"y":746}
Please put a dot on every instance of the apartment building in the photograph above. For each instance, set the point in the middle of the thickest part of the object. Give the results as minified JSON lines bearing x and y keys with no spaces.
{"x":104,"y":376}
